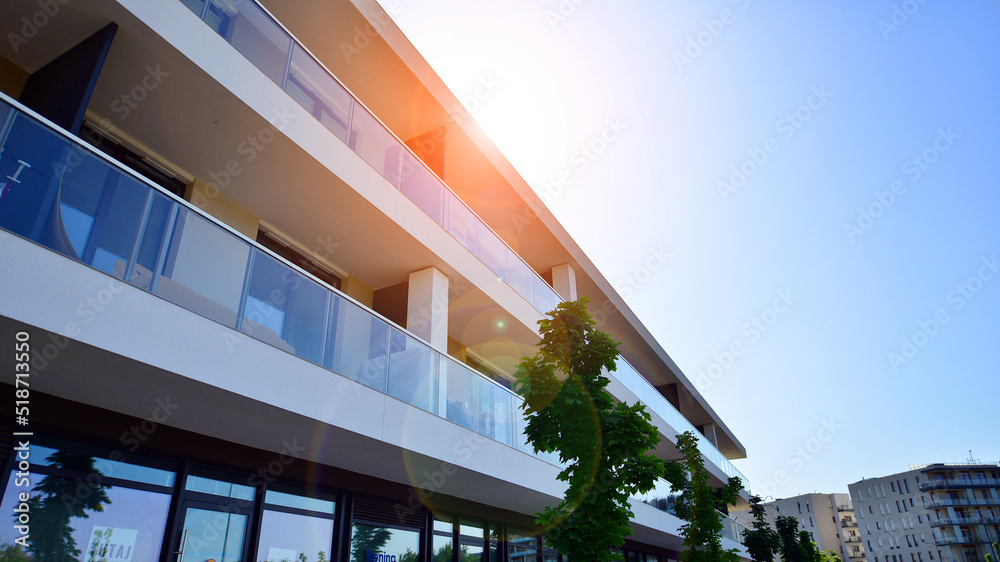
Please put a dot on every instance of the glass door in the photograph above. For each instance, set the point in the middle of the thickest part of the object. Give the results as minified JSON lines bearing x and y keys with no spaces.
{"x":212,"y":533}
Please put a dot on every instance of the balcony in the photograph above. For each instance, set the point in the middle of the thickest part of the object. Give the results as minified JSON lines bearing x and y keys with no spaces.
{"x":964,"y":538}
{"x":284,"y":60}
{"x":948,"y":502}
{"x":848,"y":524}
{"x":852,"y":539}
{"x":965,"y":521}
{"x":944,"y":484}
{"x":74,"y":200}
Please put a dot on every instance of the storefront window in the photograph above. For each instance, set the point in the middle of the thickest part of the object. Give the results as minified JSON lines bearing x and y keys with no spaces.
{"x":296,"y":528}
{"x":370,"y":543}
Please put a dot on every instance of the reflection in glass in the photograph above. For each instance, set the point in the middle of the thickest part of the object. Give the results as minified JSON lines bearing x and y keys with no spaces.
{"x":520,"y":275}
{"x":369,"y":540}
{"x":461,"y":392}
{"x":253,"y":33}
{"x":290,"y":537}
{"x":84,"y":519}
{"x":493,"y":252}
{"x":213,"y":535}
{"x":216,"y":487}
{"x":152,"y":242}
{"x":413,"y":371}
{"x":463,"y":224}
{"x":357,"y":345}
{"x":285,"y":309}
{"x":419,"y":185}
{"x":205,"y":268}
{"x":373,"y":143}
{"x":315,"y":90}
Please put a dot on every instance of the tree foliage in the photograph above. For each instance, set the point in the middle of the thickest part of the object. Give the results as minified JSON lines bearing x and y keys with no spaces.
{"x":698,"y":504}
{"x":829,"y":556}
{"x":604,"y":444}
{"x":791,"y":546}
{"x":761,"y":541}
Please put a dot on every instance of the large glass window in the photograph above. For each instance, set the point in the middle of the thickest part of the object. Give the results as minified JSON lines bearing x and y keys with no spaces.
{"x":296,"y":528}
{"x":285,"y":309}
{"x":82,"y":504}
{"x":372,"y":543}
{"x":522,"y":547}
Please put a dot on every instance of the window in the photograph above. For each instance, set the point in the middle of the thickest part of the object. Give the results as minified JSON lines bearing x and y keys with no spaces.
{"x":882,"y":489}
{"x":369,"y":540}
{"x":870,"y":509}
{"x":898,"y":509}
{"x":800,"y":506}
{"x":911,"y":502}
{"x":899,"y":486}
{"x":808,"y":507}
{"x":930,"y":555}
{"x":811,"y":522}
{"x":893,"y":484}
{"x":869,"y":491}
{"x":920,"y":519}
{"x":907,"y":484}
{"x":296,"y":528}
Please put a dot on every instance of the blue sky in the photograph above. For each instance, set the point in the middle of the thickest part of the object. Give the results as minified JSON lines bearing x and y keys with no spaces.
{"x":823,"y":176}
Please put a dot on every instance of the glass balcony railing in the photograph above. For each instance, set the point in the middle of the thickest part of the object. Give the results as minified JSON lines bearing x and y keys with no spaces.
{"x":648,"y":395}
{"x":940,"y":483}
{"x":662,"y":498}
{"x":72,"y":199}
{"x":950,"y":502}
{"x":258,"y":36}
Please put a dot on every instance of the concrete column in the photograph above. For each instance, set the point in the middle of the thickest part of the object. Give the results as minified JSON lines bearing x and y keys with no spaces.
{"x":427,"y":307}
{"x":564,"y":281}
{"x":708,"y":430}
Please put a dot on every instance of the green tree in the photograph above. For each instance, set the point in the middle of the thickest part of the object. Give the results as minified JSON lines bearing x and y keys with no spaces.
{"x":57,"y":501}
{"x":13,"y":553}
{"x":698,"y":504}
{"x":761,"y":541}
{"x":367,"y":538}
{"x":604,"y":444}
{"x":788,"y":531}
{"x":829,"y":556}
{"x":809,"y":548}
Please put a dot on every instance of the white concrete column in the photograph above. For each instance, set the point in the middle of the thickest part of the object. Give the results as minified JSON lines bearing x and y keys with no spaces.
{"x":708,"y":430}
{"x":564,"y":281}
{"x":427,"y":307}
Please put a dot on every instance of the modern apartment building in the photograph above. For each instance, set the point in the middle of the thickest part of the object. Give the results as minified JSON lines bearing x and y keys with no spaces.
{"x":829,"y":518}
{"x":263,"y":286}
{"x":939,"y":512}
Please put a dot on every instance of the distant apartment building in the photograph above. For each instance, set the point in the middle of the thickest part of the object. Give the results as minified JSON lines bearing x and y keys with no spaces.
{"x":931,"y":513}
{"x":829,"y":518}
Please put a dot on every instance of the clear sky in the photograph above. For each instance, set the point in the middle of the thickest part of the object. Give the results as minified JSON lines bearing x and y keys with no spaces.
{"x":823,"y":177}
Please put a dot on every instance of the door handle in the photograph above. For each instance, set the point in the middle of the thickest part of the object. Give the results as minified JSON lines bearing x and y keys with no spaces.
{"x":184,"y":540}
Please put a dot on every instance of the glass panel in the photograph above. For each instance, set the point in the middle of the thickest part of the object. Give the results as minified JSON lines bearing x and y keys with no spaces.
{"x":87,"y":459}
{"x":521,"y":441}
{"x":382,"y":544}
{"x":413,"y":371}
{"x":471,"y":529}
{"x":247,"y":28}
{"x":494,"y":407}
{"x":217,"y":487}
{"x":463,"y":224}
{"x":285,"y":309}
{"x":461,"y":390}
{"x":205,"y":269}
{"x":520,"y":275}
{"x":213,"y":535}
{"x":196,"y":6}
{"x":34,"y":157}
{"x":289,"y":537}
{"x":358,"y":344}
{"x":322,"y":96}
{"x":443,"y":525}
{"x":104,"y":522}
{"x":152,"y":241}
{"x":522,"y":548}
{"x":419,"y":185}
{"x":471,"y":553}
{"x":442,"y":549}
{"x":273,"y":497}
{"x":99,"y":209}
{"x":375,"y":145}
{"x":493,"y":252}
{"x":545,"y":298}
